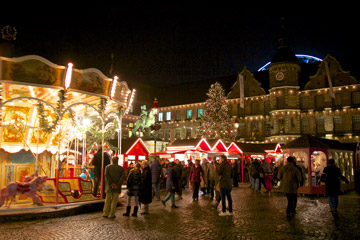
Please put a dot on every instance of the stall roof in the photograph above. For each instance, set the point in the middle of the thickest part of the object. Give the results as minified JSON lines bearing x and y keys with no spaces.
{"x":190,"y":144}
{"x":260,"y":148}
{"x":309,"y":141}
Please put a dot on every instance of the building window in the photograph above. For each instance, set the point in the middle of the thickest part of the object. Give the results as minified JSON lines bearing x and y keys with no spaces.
{"x":356,"y":123}
{"x":320,"y":126}
{"x":167,"y":134}
{"x":267,"y":128}
{"x":337,"y":100}
{"x":178,"y":133}
{"x":188,"y":114}
{"x":160,"y":117}
{"x":355,"y":98}
{"x":281,"y":102}
{"x":338,"y":126}
{"x":305,"y":126}
{"x":267,"y":106}
{"x":254,"y":108}
{"x":319,"y":101}
{"x":168,"y":116}
{"x":199,"y":112}
{"x":178,"y":115}
{"x":188,"y":133}
{"x":305,"y":102}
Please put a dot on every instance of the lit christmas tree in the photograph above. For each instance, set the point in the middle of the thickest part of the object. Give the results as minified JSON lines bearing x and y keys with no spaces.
{"x":215,"y":120}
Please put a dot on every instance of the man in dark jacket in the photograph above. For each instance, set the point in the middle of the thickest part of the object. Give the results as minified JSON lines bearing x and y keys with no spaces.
{"x":332,"y":184}
{"x":97,"y":162}
{"x":172,"y":185}
{"x":114,"y":177}
{"x":179,"y":170}
{"x":146,"y":187}
{"x":156,"y":173}
{"x":224,"y":172}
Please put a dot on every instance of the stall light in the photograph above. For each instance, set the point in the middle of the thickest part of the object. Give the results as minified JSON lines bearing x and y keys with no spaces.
{"x":68,"y":75}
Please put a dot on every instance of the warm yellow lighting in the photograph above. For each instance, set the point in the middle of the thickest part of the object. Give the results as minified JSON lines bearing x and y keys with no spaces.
{"x":68,"y":75}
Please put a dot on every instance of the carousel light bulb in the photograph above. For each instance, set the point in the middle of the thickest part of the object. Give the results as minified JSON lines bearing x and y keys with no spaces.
{"x":68,"y":75}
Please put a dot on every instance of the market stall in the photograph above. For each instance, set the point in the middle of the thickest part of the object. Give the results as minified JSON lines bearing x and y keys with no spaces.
{"x":312,"y":156}
{"x":50,"y":116}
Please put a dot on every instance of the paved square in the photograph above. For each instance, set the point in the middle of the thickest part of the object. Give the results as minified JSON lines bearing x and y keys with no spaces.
{"x":256,"y":216}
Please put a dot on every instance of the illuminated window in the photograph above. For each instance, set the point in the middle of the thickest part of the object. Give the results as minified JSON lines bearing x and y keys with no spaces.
{"x":320,"y":125}
{"x":168,"y":116}
{"x":188,"y":114}
{"x":160,"y":117}
{"x":199,"y":112}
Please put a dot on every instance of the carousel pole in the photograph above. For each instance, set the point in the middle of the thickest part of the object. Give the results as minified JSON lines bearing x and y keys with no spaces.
{"x":57,"y":170}
{"x":102,"y":161}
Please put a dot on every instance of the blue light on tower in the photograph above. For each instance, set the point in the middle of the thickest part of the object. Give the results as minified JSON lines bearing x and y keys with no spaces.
{"x":302,"y":58}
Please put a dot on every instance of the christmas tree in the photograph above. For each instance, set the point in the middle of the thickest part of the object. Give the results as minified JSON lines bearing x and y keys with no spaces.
{"x":215,"y":120}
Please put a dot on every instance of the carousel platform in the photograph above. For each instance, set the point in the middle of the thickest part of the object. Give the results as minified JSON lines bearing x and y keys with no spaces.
{"x":29,"y":211}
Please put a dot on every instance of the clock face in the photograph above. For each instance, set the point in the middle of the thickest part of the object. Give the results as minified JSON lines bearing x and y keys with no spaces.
{"x":279,"y":76}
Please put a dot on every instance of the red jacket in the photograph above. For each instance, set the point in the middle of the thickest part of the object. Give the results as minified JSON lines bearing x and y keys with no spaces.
{"x":195,"y":173}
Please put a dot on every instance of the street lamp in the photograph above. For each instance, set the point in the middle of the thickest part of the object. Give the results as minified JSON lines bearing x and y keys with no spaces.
{"x":156,"y":126}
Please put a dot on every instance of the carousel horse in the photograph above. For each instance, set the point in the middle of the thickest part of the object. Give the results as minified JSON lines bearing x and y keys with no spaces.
{"x":24,"y":188}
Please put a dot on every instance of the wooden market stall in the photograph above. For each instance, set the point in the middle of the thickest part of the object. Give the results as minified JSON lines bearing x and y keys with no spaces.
{"x":45,"y":108}
{"x":312,"y":154}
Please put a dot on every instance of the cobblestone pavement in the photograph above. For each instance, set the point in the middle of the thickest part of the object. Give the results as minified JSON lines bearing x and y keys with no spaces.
{"x":256,"y":216}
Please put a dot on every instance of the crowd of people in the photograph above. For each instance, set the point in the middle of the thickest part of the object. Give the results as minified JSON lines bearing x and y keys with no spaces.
{"x":215,"y":178}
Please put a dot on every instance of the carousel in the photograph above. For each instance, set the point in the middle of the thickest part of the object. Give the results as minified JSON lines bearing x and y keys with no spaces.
{"x":52,"y":119}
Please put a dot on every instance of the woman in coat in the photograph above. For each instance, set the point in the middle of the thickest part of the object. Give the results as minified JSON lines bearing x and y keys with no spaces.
{"x":133,"y":189}
{"x":332,"y":184}
{"x":172,"y":185}
{"x":146,"y":187}
{"x":195,"y":175}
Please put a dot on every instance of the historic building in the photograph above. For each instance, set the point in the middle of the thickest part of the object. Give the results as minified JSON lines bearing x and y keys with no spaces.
{"x":292,"y":98}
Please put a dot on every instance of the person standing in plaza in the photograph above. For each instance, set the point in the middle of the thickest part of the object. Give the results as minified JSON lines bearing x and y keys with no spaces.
{"x":204,"y":182}
{"x":114,"y":177}
{"x":332,"y":184}
{"x":225,"y":184}
{"x":213,"y":179}
{"x":289,"y":177}
{"x":235,"y":172}
{"x":97,"y":163}
{"x":172,"y":185}
{"x":133,"y":189}
{"x":146,"y":187}
{"x":156,"y":173}
{"x":195,"y":176}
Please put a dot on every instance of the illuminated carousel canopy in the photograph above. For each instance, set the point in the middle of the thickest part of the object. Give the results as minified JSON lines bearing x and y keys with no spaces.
{"x":35,"y":92}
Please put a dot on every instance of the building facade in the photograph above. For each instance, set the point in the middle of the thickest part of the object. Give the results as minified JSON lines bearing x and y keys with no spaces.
{"x":326,"y":104}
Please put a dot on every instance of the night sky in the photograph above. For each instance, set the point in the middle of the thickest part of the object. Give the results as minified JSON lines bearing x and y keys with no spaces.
{"x":172,"y":45}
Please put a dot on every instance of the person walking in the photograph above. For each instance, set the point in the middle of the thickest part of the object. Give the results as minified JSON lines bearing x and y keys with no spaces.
{"x":255,"y":171}
{"x":114,"y":177}
{"x":97,"y":163}
{"x":195,"y":175}
{"x":332,"y":184}
{"x":156,"y":173}
{"x":179,"y":170}
{"x":133,"y":189}
{"x":290,"y":177}
{"x":172,"y":185}
{"x":267,"y":175}
{"x":225,"y":184}
{"x":146,"y":187}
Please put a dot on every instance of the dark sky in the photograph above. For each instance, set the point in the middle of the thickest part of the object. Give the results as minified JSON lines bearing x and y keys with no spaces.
{"x":172,"y":45}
